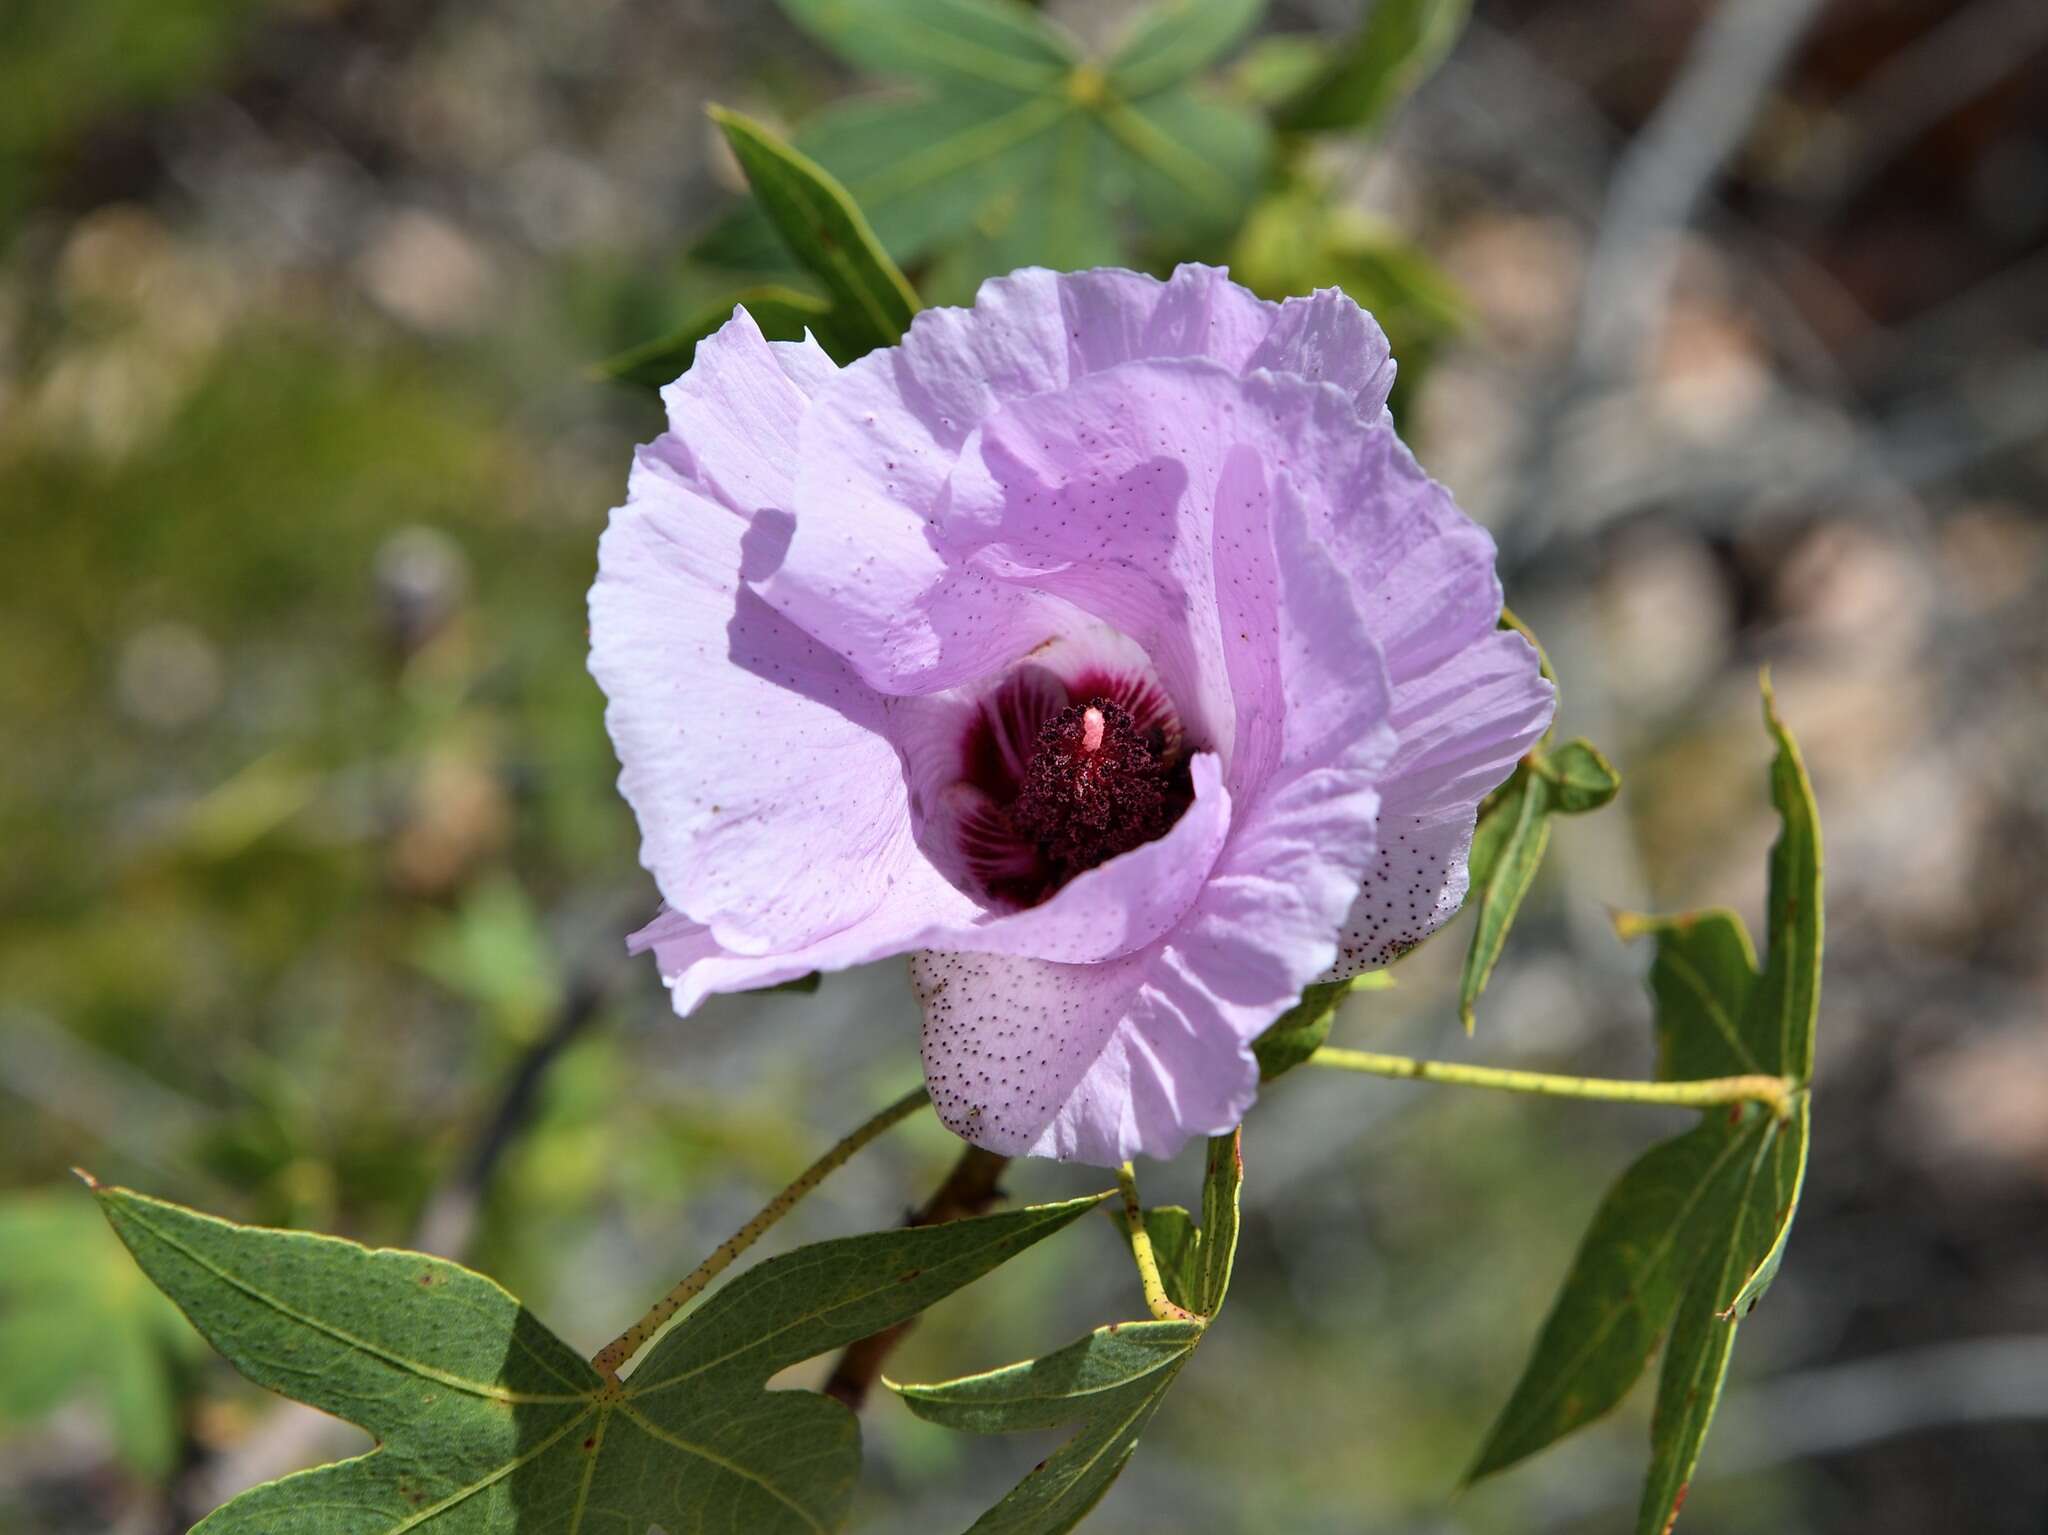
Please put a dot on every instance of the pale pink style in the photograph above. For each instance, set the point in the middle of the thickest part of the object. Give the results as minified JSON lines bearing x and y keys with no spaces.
{"x":1100,"y":646}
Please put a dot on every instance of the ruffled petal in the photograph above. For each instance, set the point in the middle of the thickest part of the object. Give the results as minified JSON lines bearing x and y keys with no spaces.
{"x":1101,"y":1062}
{"x":1463,"y":725}
{"x":771,"y":803}
{"x":1328,"y":338}
{"x":1469,"y":701}
{"x":695,"y":965}
{"x":868,"y":571}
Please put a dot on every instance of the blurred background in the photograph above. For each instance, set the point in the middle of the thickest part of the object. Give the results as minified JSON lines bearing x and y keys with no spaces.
{"x":1729,"y":316}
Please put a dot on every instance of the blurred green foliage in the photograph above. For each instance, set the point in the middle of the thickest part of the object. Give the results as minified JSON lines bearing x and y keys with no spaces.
{"x":66,"y":66}
{"x":76,"y":1314}
{"x":1014,"y":145}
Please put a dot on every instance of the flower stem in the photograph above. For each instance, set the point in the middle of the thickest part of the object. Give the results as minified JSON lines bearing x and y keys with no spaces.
{"x":1154,"y":1287}
{"x":1774,"y":1092}
{"x":628,"y":1343}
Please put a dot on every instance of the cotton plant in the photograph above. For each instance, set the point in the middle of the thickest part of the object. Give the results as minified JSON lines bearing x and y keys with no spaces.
{"x":1099,"y":651}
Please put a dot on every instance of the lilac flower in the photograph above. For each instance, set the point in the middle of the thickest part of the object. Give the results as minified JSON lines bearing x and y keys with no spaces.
{"x":1100,"y":646}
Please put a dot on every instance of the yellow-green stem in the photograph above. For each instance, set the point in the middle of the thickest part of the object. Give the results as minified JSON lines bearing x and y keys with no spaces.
{"x":608,"y":1359}
{"x":1774,"y":1092}
{"x":1154,"y":1287}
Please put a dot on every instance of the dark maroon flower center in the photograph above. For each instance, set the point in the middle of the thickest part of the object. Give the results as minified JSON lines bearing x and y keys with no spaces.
{"x":1060,"y":786}
{"x":1093,"y":789}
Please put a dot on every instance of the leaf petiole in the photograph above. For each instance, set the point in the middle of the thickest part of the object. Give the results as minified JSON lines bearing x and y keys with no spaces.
{"x":1776,"y":1093}
{"x":1149,"y":1279}
{"x":606,"y":1361}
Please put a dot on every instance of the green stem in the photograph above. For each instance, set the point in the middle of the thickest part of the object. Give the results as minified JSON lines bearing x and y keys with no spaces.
{"x":1154,"y":1287}
{"x":628,"y":1343}
{"x":1775,"y":1092}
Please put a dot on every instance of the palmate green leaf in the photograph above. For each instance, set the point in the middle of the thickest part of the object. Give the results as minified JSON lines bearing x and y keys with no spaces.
{"x":1777,"y":1015}
{"x":1700,"y":978}
{"x":986,"y":169}
{"x":1646,"y":1241}
{"x":1277,"y":67}
{"x":1702,"y":1341}
{"x":1693,"y":1234}
{"x":76,"y":1319}
{"x":487,"y":1422}
{"x":1396,"y":47}
{"x":1110,"y":1382}
{"x":825,"y":230}
{"x":784,"y":314}
{"x":979,"y":44}
{"x":1189,"y":155}
{"x":1174,"y":38}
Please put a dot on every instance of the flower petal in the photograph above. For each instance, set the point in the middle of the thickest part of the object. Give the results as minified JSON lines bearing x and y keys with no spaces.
{"x":1469,"y":701}
{"x":771,"y":802}
{"x":1327,"y":337}
{"x":867,"y":572}
{"x":1101,"y":1062}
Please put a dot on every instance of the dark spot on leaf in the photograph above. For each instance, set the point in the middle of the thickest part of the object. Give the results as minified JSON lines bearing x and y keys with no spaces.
{"x":907,"y":1275}
{"x":590,"y":1443}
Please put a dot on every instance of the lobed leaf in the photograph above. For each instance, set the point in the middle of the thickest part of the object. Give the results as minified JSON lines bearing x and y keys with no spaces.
{"x":487,"y":1422}
{"x":1046,"y":166}
{"x":1700,"y":980}
{"x":1644,"y":1244}
{"x":1703,"y":1334}
{"x":1174,"y":38}
{"x":825,"y":231}
{"x":982,"y":44}
{"x":1693,"y":1234}
{"x":1109,"y":1382}
{"x":1191,"y":157}
{"x":1397,"y":46}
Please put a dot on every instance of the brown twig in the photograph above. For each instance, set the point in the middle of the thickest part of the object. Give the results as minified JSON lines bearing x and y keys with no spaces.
{"x":970,"y":1188}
